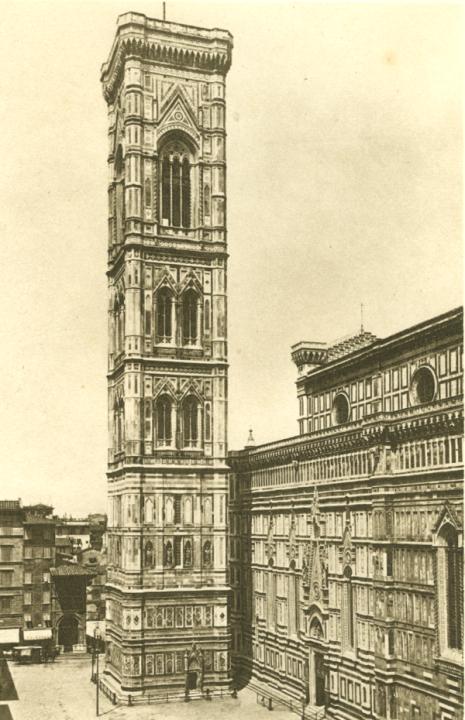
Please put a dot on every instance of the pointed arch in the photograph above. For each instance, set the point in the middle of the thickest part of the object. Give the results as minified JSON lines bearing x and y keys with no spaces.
{"x":164,"y":314}
{"x":448,"y":542}
{"x":188,"y":510}
{"x":166,"y":388}
{"x":118,"y":415}
{"x":207,"y":554}
{"x":191,"y":414}
{"x":187,"y":553}
{"x":176,"y":157}
{"x":164,"y":420}
{"x":347,"y":612}
{"x":149,"y":555}
{"x":190,"y":302}
{"x":148,"y":510}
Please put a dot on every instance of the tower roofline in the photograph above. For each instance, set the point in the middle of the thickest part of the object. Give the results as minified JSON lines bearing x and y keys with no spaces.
{"x":166,"y":43}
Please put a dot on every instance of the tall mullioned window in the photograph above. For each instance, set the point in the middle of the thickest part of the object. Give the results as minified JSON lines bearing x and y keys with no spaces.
{"x":176,"y":185}
{"x":454,"y":589}
{"x":455,"y":595}
{"x":189,"y":317}
{"x":190,"y":422}
{"x":450,"y":590}
{"x":163,"y":415}
{"x":164,"y":313}
{"x":347,"y":612}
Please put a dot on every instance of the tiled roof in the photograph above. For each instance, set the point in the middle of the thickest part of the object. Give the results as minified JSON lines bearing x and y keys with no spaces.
{"x":72,"y":569}
{"x":347,"y":345}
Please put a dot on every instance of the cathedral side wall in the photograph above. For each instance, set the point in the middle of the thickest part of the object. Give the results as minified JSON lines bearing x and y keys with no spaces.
{"x":338,"y":562}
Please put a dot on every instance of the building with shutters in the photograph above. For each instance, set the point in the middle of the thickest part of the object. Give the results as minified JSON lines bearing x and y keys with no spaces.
{"x":11,"y":572}
{"x":346,"y":542}
{"x":167,"y":590}
{"x":39,"y":558}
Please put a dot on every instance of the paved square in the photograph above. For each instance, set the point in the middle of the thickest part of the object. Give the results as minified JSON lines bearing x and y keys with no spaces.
{"x":63,"y":691}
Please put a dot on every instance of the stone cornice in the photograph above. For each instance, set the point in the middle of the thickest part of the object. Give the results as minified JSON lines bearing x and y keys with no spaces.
{"x":440,"y":418}
{"x":309,"y":354}
{"x":159,"y":248}
{"x":174,"y":365}
{"x":165,"y":43}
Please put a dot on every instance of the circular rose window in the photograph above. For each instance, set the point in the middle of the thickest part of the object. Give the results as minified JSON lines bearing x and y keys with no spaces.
{"x":423,"y":386}
{"x":341,"y":409}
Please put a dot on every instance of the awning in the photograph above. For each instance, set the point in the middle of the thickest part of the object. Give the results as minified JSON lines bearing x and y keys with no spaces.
{"x":91,"y":625}
{"x":9,"y":635}
{"x":38,"y":634}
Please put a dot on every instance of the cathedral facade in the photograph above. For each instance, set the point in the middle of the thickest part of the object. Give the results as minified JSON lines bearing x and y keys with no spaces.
{"x":346,"y":542}
{"x":167,"y":607}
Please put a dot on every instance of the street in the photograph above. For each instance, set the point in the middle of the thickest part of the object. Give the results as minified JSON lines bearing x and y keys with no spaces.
{"x":63,"y":691}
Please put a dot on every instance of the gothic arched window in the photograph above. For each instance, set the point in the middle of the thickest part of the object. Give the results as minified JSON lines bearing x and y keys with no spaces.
{"x":148,"y":510}
{"x":207,"y":553}
{"x":206,"y":200}
{"x":148,"y":192}
{"x":347,"y":612}
{"x":163,"y":418}
{"x":148,"y":555}
{"x":118,"y":310}
{"x":187,"y":553}
{"x":189,"y":317}
{"x":168,"y":558}
{"x":119,"y":425}
{"x":176,"y":185}
{"x":190,"y":422}
{"x":119,"y":194}
{"x":164,"y":313}
{"x":450,"y":588}
{"x":454,"y":592}
{"x":188,"y":511}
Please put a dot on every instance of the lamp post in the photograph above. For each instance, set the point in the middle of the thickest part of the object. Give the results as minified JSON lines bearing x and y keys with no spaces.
{"x":92,"y":673}
{"x":96,"y":654}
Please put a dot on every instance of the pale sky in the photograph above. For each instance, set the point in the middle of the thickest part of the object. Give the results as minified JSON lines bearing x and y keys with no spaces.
{"x":344,"y":186}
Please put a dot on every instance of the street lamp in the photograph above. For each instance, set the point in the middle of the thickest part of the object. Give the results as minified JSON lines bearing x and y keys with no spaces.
{"x":95,"y":659}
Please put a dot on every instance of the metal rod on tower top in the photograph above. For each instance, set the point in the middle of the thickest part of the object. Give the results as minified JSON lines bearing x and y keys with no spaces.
{"x":361,"y":317}
{"x":164,"y":11}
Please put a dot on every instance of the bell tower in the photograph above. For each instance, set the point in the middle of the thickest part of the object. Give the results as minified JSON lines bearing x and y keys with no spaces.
{"x":167,"y":594}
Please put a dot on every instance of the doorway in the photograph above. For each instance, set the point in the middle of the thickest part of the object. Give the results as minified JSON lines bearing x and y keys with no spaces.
{"x":68,"y":632}
{"x":192,"y":680}
{"x":319,"y":679}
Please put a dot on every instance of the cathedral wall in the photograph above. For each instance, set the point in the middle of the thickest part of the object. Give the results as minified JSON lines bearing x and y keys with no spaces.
{"x":341,"y":586}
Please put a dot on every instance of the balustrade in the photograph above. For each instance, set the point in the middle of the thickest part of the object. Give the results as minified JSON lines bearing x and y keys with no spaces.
{"x":411,"y":456}
{"x":355,"y":464}
{"x":424,"y":454}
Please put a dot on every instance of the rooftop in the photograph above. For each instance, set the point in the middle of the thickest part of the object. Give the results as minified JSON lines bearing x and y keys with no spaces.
{"x":314,"y":356}
{"x":70,"y":570}
{"x":10,"y":504}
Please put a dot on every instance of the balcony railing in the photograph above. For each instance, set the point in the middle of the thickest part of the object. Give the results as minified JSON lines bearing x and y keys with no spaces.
{"x":432,"y":453}
{"x":428,"y":454}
